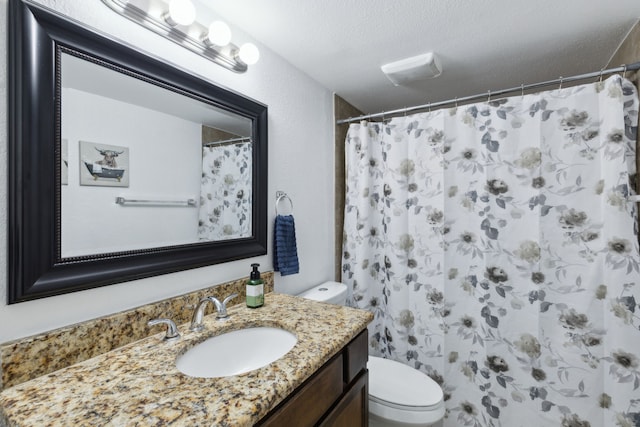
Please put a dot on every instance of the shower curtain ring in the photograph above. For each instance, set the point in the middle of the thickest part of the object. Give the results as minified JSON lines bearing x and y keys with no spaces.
{"x":561,"y":79}
{"x":456,"y":100}
{"x":489,"y":96}
{"x":601,"y":72}
{"x":429,"y":107}
{"x":624,"y":71}
{"x":522,"y":89}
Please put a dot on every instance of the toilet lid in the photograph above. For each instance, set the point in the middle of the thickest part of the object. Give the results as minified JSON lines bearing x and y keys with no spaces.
{"x":401,"y":385}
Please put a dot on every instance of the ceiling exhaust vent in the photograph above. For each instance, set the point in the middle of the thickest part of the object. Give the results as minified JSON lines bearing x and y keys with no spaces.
{"x":416,"y":68}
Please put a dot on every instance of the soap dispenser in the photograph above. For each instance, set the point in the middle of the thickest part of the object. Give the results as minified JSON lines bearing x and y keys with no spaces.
{"x":255,"y":288}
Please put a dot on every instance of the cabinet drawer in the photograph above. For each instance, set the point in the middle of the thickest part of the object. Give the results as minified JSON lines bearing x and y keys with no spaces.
{"x":308,"y":404}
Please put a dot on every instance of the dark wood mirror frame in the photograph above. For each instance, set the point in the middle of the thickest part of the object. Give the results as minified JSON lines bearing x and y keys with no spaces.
{"x":35,"y":266}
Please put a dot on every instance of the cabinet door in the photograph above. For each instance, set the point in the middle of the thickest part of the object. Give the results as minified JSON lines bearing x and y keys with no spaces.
{"x":308,"y":404}
{"x":353,"y":409}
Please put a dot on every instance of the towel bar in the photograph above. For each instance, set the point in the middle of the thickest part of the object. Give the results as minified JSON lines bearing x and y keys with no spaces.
{"x":122,"y":202}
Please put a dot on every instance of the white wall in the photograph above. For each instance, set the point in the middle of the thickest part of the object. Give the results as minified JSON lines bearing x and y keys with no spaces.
{"x":300,"y":163}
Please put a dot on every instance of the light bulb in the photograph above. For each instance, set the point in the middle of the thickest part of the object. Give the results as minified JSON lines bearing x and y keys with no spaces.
{"x":249,"y":53}
{"x":219,"y":33}
{"x":181,"y":12}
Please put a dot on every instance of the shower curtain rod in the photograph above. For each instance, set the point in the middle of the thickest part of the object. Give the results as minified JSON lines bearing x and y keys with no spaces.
{"x":228,"y":141}
{"x":490,"y":94}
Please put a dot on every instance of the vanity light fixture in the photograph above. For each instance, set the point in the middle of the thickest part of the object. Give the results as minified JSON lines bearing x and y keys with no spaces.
{"x":219,"y":34}
{"x":249,"y":53}
{"x":181,"y":12}
{"x":176,"y":21}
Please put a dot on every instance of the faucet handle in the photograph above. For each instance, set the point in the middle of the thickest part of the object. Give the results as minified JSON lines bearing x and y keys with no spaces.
{"x":229,"y":298}
{"x":221,"y":307}
{"x":172,"y":330}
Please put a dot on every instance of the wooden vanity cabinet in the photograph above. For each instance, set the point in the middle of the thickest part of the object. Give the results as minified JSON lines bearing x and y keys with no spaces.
{"x":336,"y":395}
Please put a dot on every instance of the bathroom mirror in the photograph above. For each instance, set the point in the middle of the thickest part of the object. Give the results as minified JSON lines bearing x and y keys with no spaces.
{"x":120,"y":165}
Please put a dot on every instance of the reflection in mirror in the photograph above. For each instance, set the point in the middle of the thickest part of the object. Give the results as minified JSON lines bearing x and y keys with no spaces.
{"x":125,"y":137}
{"x":225,"y":195}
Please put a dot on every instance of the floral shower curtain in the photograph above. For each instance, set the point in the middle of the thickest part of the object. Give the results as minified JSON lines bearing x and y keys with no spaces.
{"x":496,"y":248}
{"x":225,"y":192}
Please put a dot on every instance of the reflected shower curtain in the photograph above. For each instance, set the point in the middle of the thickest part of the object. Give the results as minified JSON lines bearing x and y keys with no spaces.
{"x":496,"y":248}
{"x":225,"y":192}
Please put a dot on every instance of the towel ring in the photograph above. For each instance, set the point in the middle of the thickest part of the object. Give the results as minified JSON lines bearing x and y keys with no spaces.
{"x":280,"y":196}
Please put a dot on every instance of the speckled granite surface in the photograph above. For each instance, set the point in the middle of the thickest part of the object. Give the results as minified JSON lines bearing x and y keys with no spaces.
{"x":138,"y":384}
{"x":27,"y":358}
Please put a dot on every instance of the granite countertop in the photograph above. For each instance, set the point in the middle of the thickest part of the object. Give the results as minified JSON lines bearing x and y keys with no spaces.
{"x":139,"y":384}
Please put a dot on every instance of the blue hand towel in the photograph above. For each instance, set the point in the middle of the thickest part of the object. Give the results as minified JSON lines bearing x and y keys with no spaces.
{"x":285,"y":253}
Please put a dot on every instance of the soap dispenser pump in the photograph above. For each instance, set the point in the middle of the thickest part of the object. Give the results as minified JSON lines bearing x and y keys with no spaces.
{"x":255,"y":288}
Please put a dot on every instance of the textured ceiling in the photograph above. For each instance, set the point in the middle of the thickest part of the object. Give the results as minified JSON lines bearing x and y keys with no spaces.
{"x":482,"y":45}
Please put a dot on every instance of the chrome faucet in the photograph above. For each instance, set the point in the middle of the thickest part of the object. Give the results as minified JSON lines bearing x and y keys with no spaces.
{"x":172,"y":330}
{"x":198,"y":314}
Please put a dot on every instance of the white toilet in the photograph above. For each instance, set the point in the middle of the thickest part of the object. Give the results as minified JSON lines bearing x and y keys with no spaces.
{"x":398,"y":394}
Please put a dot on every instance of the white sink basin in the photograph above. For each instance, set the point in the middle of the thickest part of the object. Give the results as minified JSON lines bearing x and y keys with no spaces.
{"x":236,"y":352}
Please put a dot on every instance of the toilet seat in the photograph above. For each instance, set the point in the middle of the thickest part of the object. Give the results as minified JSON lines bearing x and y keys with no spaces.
{"x":400,"y":393}
{"x":404,"y":407}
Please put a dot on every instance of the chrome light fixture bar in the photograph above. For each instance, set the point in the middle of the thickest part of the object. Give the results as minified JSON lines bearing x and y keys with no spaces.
{"x":155,"y":15}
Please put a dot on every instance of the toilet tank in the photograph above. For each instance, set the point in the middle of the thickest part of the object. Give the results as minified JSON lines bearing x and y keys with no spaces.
{"x":331,"y":292}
